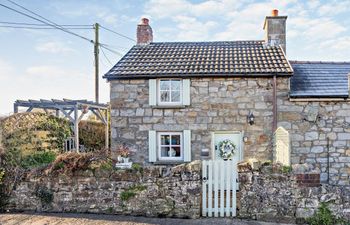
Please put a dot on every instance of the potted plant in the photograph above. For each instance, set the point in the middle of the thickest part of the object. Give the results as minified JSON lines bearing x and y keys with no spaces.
{"x":123,"y":153}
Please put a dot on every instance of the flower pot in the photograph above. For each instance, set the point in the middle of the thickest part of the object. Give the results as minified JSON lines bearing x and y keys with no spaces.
{"x":125,"y":160}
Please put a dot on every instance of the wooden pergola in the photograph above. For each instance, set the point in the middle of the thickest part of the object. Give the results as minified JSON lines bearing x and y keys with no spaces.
{"x":73,"y":110}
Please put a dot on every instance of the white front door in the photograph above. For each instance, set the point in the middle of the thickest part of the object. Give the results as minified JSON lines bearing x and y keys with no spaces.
{"x":234,"y":136}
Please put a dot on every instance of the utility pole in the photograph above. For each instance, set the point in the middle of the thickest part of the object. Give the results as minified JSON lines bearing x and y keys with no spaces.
{"x":96,"y":52}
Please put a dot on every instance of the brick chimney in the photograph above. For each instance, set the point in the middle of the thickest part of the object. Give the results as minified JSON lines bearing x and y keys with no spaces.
{"x":275,"y":30}
{"x":144,"y":32}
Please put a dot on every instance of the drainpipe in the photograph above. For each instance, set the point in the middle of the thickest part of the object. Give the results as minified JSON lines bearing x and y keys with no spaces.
{"x":274,"y":105}
{"x":328,"y":162}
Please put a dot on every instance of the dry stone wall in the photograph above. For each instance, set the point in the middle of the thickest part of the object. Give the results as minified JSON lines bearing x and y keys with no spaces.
{"x":152,"y":191}
{"x":217,"y":104}
{"x":266,"y":194}
{"x":271,"y":195}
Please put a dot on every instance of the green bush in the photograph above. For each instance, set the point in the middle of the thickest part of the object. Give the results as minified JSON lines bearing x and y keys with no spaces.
{"x":38,"y":159}
{"x":286,"y":169}
{"x":137,"y":167}
{"x":131,"y":192}
{"x":92,"y":135}
{"x":324,"y":216}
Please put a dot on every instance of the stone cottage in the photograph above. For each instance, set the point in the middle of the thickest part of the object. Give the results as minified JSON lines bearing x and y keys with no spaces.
{"x":174,"y":102}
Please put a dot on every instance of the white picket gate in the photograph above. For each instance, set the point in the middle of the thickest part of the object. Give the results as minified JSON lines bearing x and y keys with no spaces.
{"x":219,"y":188}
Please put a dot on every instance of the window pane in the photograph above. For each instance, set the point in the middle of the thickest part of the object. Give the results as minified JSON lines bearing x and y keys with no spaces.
{"x":165,"y":96}
{"x":177,"y":152}
{"x":164,"y":139}
{"x":175,"y":96}
{"x":164,"y":85}
{"x":175,"y":140}
{"x":164,"y":152}
{"x":175,"y":85}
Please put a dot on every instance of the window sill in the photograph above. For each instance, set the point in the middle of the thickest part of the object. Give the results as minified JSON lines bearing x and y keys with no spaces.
{"x":168,"y":106}
{"x":172,"y":162}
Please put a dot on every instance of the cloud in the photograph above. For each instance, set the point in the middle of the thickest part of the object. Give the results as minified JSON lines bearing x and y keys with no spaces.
{"x":334,"y":8}
{"x":105,"y":14}
{"x":53,"y":47}
{"x":190,"y":28}
{"x":6,"y":70}
{"x":48,"y":71}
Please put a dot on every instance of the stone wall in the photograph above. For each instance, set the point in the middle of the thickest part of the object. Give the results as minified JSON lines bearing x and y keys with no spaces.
{"x":280,"y":197}
{"x":320,"y":136}
{"x":152,"y":191}
{"x":217,"y":104}
{"x":267,"y":194}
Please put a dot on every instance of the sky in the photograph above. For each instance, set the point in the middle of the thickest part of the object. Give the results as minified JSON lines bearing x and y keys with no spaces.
{"x":46,"y":64}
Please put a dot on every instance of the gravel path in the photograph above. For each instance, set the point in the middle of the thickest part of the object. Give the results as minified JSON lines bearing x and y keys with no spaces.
{"x":97,"y":219}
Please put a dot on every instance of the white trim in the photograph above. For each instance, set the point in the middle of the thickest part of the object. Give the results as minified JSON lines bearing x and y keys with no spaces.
{"x":159,"y":95}
{"x":159,"y":146}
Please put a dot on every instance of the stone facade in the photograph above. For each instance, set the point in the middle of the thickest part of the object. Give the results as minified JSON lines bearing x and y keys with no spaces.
{"x":320,"y":136}
{"x":222,"y":104}
{"x":154,"y":192}
{"x":217,"y":104}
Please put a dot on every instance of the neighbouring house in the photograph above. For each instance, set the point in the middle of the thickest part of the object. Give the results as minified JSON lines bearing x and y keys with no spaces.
{"x":174,"y":102}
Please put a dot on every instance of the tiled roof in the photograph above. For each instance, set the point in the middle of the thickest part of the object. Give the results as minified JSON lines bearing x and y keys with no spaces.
{"x":199,"y":59}
{"x":319,"y":79}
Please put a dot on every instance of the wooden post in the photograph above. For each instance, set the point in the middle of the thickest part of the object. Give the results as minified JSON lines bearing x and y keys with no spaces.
{"x":107,"y":131}
{"x":76,"y":128}
{"x":15,"y":108}
{"x":96,"y":52}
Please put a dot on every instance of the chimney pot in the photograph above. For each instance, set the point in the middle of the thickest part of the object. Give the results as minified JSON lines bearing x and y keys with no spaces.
{"x":274,"y":12}
{"x":144,"y":21}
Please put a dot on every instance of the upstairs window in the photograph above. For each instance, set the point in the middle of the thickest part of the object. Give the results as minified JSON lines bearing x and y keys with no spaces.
{"x":170,"y":92}
{"x":167,"y":93}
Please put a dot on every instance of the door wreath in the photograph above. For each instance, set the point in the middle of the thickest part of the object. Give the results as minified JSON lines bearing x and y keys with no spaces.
{"x":227,"y":149}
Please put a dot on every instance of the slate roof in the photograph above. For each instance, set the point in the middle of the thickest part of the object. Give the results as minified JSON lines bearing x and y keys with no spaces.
{"x":201,"y":59}
{"x":319,"y":79}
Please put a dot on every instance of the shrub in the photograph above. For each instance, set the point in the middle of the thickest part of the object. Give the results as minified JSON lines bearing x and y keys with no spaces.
{"x":286,"y":169}
{"x":38,"y":159}
{"x":137,"y":167}
{"x":131,"y":192}
{"x":324,"y":216}
{"x":92,"y":135}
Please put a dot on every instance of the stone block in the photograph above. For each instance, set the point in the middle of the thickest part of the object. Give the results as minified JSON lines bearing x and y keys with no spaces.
{"x":310,"y":136}
{"x":343,"y":136}
{"x":317,"y":149}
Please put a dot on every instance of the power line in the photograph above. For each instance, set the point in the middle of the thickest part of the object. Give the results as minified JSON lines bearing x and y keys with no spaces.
{"x":104,"y":54}
{"x":52,"y":24}
{"x":37,"y":24}
{"x":119,"y":34}
{"x":110,"y":50}
{"x":42,"y":21}
{"x":41,"y":28}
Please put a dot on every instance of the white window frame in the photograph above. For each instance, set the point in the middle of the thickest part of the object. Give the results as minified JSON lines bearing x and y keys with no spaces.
{"x":159,"y":96}
{"x":159,"y":147}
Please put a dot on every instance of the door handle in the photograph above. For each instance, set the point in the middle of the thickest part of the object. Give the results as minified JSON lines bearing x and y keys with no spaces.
{"x":204,"y":179}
